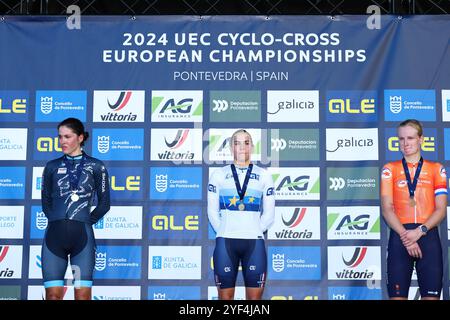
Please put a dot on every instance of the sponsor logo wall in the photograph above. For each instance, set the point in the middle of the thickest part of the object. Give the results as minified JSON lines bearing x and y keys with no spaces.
{"x":161,"y":128}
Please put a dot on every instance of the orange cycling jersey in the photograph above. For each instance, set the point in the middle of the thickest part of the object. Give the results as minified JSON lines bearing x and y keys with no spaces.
{"x":432,"y":182}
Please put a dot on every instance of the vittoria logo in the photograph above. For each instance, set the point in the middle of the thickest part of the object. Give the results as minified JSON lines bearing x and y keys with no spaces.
{"x":354,"y":263}
{"x":179,"y":139}
{"x":291,"y":224}
{"x":3,"y":252}
{"x":357,"y":258}
{"x":119,"y":106}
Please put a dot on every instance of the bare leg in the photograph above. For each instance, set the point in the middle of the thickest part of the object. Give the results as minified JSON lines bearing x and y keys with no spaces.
{"x":226,"y":294}
{"x":54,"y":293}
{"x":253,"y":293}
{"x":83,"y":293}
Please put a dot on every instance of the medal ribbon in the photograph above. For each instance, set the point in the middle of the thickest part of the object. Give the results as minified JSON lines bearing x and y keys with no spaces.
{"x":74,"y":175}
{"x":241,"y":191}
{"x":412,"y":185}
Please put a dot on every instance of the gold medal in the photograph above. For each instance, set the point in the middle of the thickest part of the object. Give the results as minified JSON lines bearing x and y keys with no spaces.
{"x":74,"y":197}
{"x":241,"y":206}
{"x":412,"y":202}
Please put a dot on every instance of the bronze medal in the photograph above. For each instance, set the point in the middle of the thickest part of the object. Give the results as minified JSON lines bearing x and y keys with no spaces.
{"x":412,"y":202}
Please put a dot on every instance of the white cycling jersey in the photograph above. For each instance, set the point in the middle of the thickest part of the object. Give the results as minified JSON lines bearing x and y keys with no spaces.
{"x":223,"y":203}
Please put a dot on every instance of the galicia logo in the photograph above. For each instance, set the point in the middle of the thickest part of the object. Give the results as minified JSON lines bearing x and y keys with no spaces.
{"x":220,"y":105}
{"x":352,"y":142}
{"x":357,"y":258}
{"x":345,"y":144}
{"x":293,"y":104}
{"x":278,"y":262}
{"x":100,"y":261}
{"x":337,"y":183}
{"x":278,"y":144}
{"x":103,"y":144}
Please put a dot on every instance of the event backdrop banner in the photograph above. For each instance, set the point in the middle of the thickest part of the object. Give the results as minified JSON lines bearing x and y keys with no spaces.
{"x":161,"y":95}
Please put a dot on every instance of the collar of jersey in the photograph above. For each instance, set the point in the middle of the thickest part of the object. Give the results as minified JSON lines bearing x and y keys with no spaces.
{"x":74,"y":158}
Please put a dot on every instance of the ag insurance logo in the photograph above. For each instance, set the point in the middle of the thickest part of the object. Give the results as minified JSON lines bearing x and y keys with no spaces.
{"x":119,"y":106}
{"x":353,"y":222}
{"x":177,"y":106}
{"x":296,"y":183}
{"x":354,"y":263}
{"x":346,"y":144}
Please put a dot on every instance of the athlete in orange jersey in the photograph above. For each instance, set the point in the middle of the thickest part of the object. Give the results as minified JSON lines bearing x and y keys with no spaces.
{"x":413,"y":208}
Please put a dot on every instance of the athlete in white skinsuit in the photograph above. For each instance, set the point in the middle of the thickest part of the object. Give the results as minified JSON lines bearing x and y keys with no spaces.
{"x":240,"y":209}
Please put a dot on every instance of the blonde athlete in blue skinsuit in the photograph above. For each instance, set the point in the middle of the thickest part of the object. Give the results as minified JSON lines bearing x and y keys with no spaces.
{"x":241,"y":206}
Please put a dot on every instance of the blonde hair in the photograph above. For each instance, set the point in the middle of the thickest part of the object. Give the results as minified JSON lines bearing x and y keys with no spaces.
{"x":233,"y":136}
{"x":412,"y":123}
